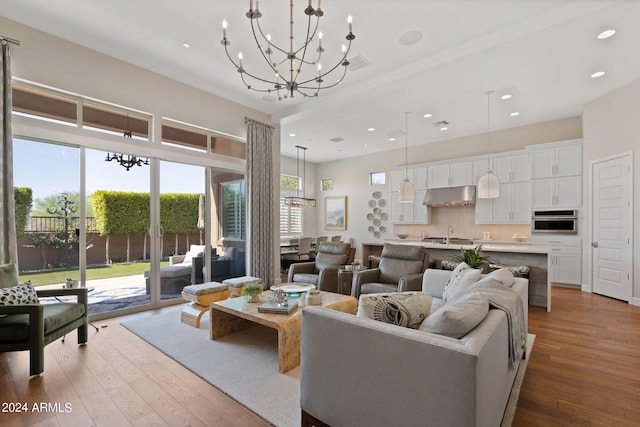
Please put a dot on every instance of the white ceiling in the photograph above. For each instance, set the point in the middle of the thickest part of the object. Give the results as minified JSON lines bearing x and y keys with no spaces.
{"x":544,"y":49}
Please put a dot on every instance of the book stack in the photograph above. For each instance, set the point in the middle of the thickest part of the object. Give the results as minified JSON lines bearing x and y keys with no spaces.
{"x":273,"y":307}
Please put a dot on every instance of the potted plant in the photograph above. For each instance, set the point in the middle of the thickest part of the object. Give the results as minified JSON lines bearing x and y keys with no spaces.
{"x":252,"y":291}
{"x":474,"y":258}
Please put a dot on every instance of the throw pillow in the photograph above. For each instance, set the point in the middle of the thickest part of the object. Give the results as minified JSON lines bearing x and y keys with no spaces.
{"x":19,"y":294}
{"x":408,"y":309}
{"x":461,"y":278}
{"x":502,"y":276}
{"x":459,"y":318}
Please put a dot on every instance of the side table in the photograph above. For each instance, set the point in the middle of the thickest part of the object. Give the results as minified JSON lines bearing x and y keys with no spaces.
{"x":345,"y":277}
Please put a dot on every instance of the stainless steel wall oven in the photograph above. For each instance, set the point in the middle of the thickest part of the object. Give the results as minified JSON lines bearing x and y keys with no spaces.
{"x":554,"y":222}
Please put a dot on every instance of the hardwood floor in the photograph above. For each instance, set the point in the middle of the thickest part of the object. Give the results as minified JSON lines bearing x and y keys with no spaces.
{"x":584,"y":371}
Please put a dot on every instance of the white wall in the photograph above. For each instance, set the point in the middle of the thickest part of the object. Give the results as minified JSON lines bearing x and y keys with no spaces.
{"x":352,"y":175}
{"x":612,"y":126}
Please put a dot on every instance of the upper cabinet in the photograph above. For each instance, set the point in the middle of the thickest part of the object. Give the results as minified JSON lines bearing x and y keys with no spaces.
{"x":450,"y":175}
{"x":562,"y":160}
{"x":556,"y":172}
{"x":417,"y":176}
{"x":410,"y":213}
{"x":513,"y":168}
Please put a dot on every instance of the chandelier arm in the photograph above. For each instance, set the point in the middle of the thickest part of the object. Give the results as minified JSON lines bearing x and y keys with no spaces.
{"x":344,"y":58}
{"x":301,"y":85}
{"x":268,"y":60}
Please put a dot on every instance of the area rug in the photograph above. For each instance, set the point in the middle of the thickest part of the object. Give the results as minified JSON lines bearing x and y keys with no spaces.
{"x":512,"y":403}
{"x":262,"y":389}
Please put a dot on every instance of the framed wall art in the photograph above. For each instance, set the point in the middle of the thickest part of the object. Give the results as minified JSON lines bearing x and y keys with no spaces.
{"x":335,"y":213}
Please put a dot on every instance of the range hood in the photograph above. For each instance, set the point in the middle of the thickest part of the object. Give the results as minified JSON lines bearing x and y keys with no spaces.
{"x":451,"y":196}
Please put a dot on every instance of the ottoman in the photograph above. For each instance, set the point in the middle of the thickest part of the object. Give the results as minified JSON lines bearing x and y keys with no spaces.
{"x":237,"y":283}
{"x":201,"y":297}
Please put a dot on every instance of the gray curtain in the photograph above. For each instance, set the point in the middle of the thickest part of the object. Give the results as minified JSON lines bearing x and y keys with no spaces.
{"x":260,"y":204}
{"x":8,"y":240}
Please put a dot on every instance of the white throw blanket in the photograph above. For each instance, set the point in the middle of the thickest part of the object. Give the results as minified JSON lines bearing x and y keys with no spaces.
{"x":503,"y":298}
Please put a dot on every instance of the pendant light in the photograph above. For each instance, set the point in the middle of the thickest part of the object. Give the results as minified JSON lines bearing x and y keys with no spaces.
{"x":407,"y":193}
{"x":297,"y":201}
{"x":489,"y":183}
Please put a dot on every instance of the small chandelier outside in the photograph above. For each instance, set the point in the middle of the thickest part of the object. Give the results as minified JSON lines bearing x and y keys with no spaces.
{"x":291,"y":68}
{"x":127,"y":160}
{"x":407,"y":192}
{"x":297,"y":201}
{"x":488,"y":184}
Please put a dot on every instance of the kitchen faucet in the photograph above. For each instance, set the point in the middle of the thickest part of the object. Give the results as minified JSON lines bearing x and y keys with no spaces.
{"x":449,"y":232}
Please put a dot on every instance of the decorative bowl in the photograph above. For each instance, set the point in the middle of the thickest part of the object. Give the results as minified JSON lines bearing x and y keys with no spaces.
{"x":402,"y":236}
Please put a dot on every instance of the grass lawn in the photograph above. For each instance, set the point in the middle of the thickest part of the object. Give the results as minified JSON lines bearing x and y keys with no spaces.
{"x":96,"y":272}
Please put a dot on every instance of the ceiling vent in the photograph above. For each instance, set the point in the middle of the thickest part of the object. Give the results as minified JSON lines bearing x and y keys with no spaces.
{"x":358,"y":62}
{"x":396,"y":133}
{"x":337,"y":139}
{"x":441,"y":123}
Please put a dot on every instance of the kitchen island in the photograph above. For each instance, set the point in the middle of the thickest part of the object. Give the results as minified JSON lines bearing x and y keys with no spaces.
{"x":536,"y":257}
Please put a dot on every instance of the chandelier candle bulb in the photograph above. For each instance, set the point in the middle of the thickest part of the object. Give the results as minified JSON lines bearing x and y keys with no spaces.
{"x":224,"y":29}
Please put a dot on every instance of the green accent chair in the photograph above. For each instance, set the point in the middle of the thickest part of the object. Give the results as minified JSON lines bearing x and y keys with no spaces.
{"x":33,"y":326}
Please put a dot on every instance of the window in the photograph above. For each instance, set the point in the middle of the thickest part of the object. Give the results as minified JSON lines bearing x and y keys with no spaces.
{"x":233,"y":210}
{"x":377,"y":178}
{"x":290,"y":217}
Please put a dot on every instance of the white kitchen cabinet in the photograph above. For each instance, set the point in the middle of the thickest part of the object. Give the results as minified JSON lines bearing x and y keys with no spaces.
{"x":480,"y":167}
{"x":396,"y":177}
{"x":565,"y":259}
{"x":512,"y":207}
{"x":420,"y":178}
{"x":557,"y":192}
{"x":513,"y":168}
{"x":450,"y":175}
{"x":410,"y":213}
{"x":562,"y":160}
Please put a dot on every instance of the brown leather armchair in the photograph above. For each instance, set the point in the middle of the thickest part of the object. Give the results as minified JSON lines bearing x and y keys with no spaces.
{"x":323,"y":272}
{"x":400,"y":270}
{"x":33,"y":326}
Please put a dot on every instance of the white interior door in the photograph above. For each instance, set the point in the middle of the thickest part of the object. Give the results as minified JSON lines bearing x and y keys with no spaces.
{"x":611,"y":248}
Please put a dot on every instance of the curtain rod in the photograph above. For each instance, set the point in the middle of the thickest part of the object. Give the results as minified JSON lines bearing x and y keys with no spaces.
{"x":5,"y":40}
{"x":248,"y":120}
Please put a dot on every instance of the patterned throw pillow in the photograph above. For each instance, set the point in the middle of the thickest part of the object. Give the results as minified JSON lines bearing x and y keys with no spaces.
{"x":406,"y":309}
{"x":461,"y":278}
{"x":19,"y":294}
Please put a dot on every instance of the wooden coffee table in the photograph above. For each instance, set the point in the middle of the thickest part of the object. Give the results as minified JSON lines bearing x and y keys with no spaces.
{"x":233,"y":315}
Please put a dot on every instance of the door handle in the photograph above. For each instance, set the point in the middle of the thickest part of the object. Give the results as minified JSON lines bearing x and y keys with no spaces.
{"x":594,"y":244}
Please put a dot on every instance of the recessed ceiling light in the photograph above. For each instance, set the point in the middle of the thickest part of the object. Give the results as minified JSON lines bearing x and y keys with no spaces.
{"x":366,"y":145}
{"x":443,"y":128}
{"x":371,"y":129}
{"x":506,"y":96}
{"x":606,"y":34}
{"x":392,"y":139}
{"x":186,"y":45}
{"x":292,"y":135}
{"x":428,"y":115}
{"x":514,"y":114}
{"x":598,"y":74}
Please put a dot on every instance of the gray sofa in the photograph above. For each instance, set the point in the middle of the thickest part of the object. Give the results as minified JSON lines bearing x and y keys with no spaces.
{"x":356,"y":371}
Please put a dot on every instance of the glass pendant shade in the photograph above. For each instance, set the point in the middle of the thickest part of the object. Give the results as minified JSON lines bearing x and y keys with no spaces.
{"x":407,"y":193}
{"x":488,"y":186}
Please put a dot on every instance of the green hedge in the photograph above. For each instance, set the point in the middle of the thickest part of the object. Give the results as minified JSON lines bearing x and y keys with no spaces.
{"x":118,"y":212}
{"x":23,"y":197}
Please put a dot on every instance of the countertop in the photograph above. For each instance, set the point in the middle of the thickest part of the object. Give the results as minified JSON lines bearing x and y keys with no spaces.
{"x":488,"y":246}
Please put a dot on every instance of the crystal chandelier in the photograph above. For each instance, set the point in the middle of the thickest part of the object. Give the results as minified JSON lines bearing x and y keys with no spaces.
{"x":488,"y":184}
{"x":127,"y":160}
{"x":291,"y":69}
{"x":297,"y":201}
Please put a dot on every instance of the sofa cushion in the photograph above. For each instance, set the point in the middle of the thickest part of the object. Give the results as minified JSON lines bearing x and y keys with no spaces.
{"x":19,"y":294}
{"x":456,"y":319}
{"x":194,"y":251}
{"x":376,"y":288}
{"x":461,"y":278}
{"x":408,"y":309}
{"x":501,"y":277}
{"x":15,"y":327}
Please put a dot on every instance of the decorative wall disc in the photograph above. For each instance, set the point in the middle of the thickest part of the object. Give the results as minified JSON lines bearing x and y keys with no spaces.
{"x":370,"y":216}
{"x":377,"y":194}
{"x":382,"y":203}
{"x":372,"y":203}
